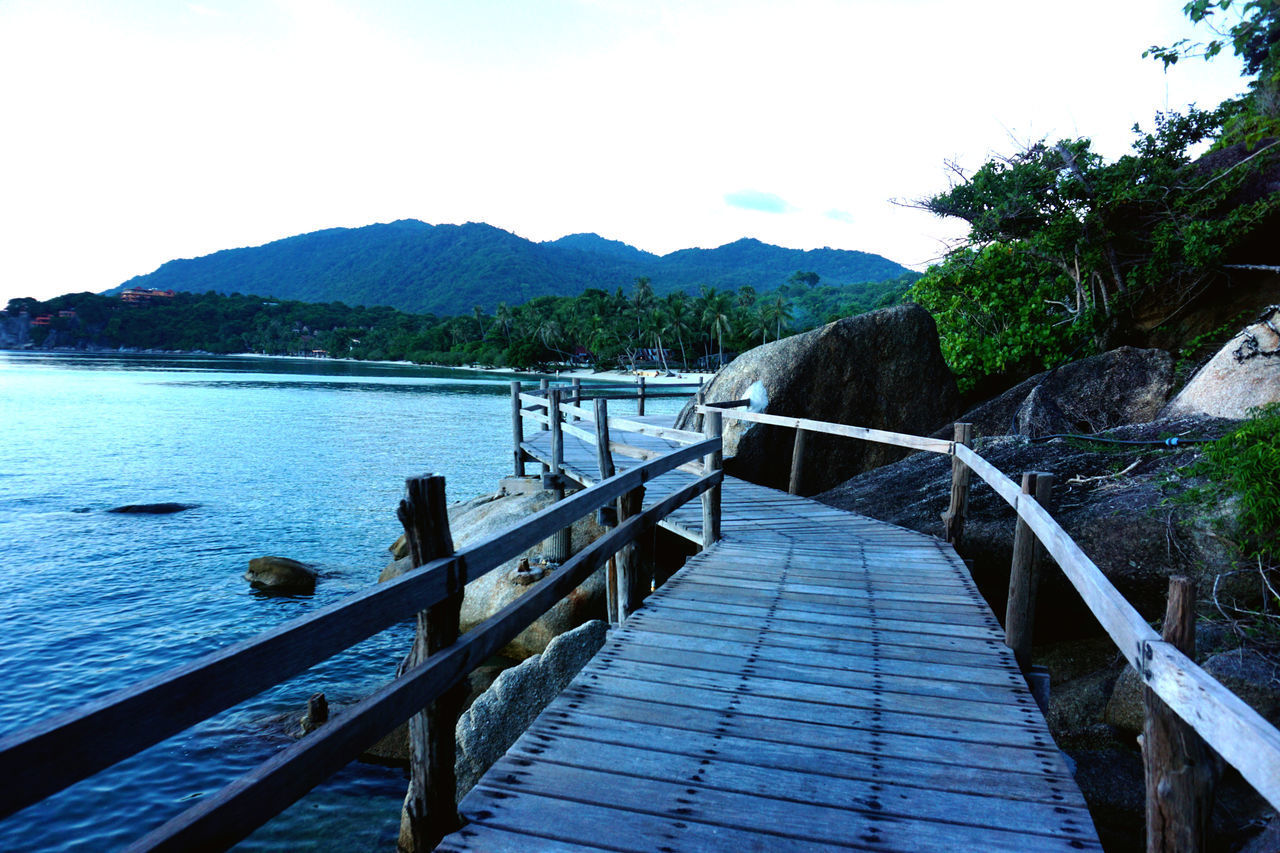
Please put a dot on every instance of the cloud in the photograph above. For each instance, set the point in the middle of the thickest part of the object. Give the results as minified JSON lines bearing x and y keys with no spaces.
{"x":756,"y":200}
{"x":840,"y":216}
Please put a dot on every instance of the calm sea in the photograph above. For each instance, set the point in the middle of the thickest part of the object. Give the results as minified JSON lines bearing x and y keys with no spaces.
{"x":304,"y":459}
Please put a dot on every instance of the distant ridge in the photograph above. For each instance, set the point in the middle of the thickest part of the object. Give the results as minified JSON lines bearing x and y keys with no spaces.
{"x":449,"y":269}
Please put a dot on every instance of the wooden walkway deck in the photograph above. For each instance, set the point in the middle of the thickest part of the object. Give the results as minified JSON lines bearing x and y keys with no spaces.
{"x":816,"y":680}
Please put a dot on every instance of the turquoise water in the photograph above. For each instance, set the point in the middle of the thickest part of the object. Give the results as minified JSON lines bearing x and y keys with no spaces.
{"x":304,"y":459}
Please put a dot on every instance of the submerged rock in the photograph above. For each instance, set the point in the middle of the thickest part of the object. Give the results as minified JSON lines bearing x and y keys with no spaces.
{"x":280,"y":574}
{"x":153,"y":509}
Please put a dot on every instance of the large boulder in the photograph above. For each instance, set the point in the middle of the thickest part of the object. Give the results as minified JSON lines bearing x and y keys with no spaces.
{"x":280,"y":574}
{"x":481,"y":519}
{"x":883,"y":369}
{"x":501,"y":714}
{"x":1123,"y":386}
{"x":1109,"y":498}
{"x":1245,"y":373}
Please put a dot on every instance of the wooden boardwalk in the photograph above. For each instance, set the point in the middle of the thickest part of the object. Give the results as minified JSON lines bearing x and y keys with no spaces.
{"x":816,"y":680}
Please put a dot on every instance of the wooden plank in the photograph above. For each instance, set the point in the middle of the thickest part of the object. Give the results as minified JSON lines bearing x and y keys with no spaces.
{"x":767,"y":634}
{"x":889,"y":738}
{"x":578,"y":432}
{"x":820,"y":684}
{"x":737,"y":769}
{"x":762,"y":742}
{"x":880,"y":436}
{"x":813,"y":666}
{"x":825,"y":623}
{"x":681,"y":436}
{"x":971,"y":717}
{"x":710,"y":812}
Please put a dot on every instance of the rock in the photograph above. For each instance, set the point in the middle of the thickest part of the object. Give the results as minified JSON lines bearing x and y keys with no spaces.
{"x":393,"y":749}
{"x":1122,"y":521}
{"x":281,"y":574}
{"x":883,"y":369}
{"x":400,"y":548}
{"x":1125,"y":709}
{"x":317,"y":713}
{"x":480,"y":519}
{"x":501,"y":714}
{"x":1120,"y":387}
{"x":1252,"y":676}
{"x":153,"y":509}
{"x":1245,"y":672}
{"x":1245,"y":373}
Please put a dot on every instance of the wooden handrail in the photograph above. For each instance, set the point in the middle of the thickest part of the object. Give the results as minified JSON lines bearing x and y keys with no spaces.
{"x":229,"y":815}
{"x":74,"y":745}
{"x":1239,"y":734}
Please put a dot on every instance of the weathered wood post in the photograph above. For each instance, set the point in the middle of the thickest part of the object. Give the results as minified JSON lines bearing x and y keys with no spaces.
{"x":1024,"y":574}
{"x":797,"y":461}
{"x":699,"y":400}
{"x":577,"y":393}
{"x":1181,"y":770}
{"x":640,"y":397}
{"x":630,"y":592}
{"x":604,"y":459}
{"x":517,"y":429}
{"x":543,"y":388}
{"x":558,"y":544}
{"x":430,"y":810}
{"x":711,"y":497}
{"x":543,"y":385}
{"x":958,"y":511}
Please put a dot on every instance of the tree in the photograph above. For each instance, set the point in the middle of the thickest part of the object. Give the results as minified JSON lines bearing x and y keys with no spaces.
{"x":716,"y":316}
{"x":804,"y":279}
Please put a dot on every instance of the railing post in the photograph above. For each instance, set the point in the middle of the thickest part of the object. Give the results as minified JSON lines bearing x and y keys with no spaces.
{"x":958,"y":510}
{"x":1181,"y":771}
{"x":699,"y":400}
{"x":517,"y":429}
{"x":557,"y":545}
{"x":711,"y":497}
{"x":430,"y":809}
{"x":604,"y":458}
{"x":577,"y":393}
{"x":630,"y":591}
{"x":543,"y":385}
{"x":797,"y":461}
{"x":640,"y":398}
{"x":1024,"y":574}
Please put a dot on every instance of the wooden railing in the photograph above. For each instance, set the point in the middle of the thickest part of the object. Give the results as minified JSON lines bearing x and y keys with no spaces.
{"x":1179,"y":771}
{"x":53,"y":754}
{"x":557,"y":410}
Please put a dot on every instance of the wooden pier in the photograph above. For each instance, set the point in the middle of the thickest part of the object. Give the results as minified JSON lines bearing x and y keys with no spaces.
{"x":815,"y":680}
{"x":811,"y":679}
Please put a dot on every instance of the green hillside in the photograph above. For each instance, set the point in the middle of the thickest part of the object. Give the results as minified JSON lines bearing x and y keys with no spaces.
{"x":450,"y":269}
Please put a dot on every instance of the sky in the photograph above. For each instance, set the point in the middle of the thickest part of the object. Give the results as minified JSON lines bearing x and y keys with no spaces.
{"x":138,"y":131}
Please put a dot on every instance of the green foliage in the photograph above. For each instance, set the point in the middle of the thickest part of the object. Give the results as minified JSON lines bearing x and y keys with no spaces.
{"x":1245,"y":464}
{"x":1084,"y":239}
{"x":994,"y":307}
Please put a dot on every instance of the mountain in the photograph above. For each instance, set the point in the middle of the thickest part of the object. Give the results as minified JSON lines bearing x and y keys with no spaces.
{"x":449,"y":269}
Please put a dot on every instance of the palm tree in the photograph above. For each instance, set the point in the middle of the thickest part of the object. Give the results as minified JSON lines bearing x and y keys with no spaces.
{"x":717,"y":317}
{"x":679,"y":320}
{"x":781,"y":313}
{"x":760,"y":322}
{"x":479,"y":315}
{"x":504,"y":318}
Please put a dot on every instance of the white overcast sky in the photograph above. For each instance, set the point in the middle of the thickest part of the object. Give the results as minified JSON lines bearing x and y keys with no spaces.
{"x":133,"y":132}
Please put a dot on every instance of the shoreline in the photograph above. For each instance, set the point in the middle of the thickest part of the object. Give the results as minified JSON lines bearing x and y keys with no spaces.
{"x":618,"y":377}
